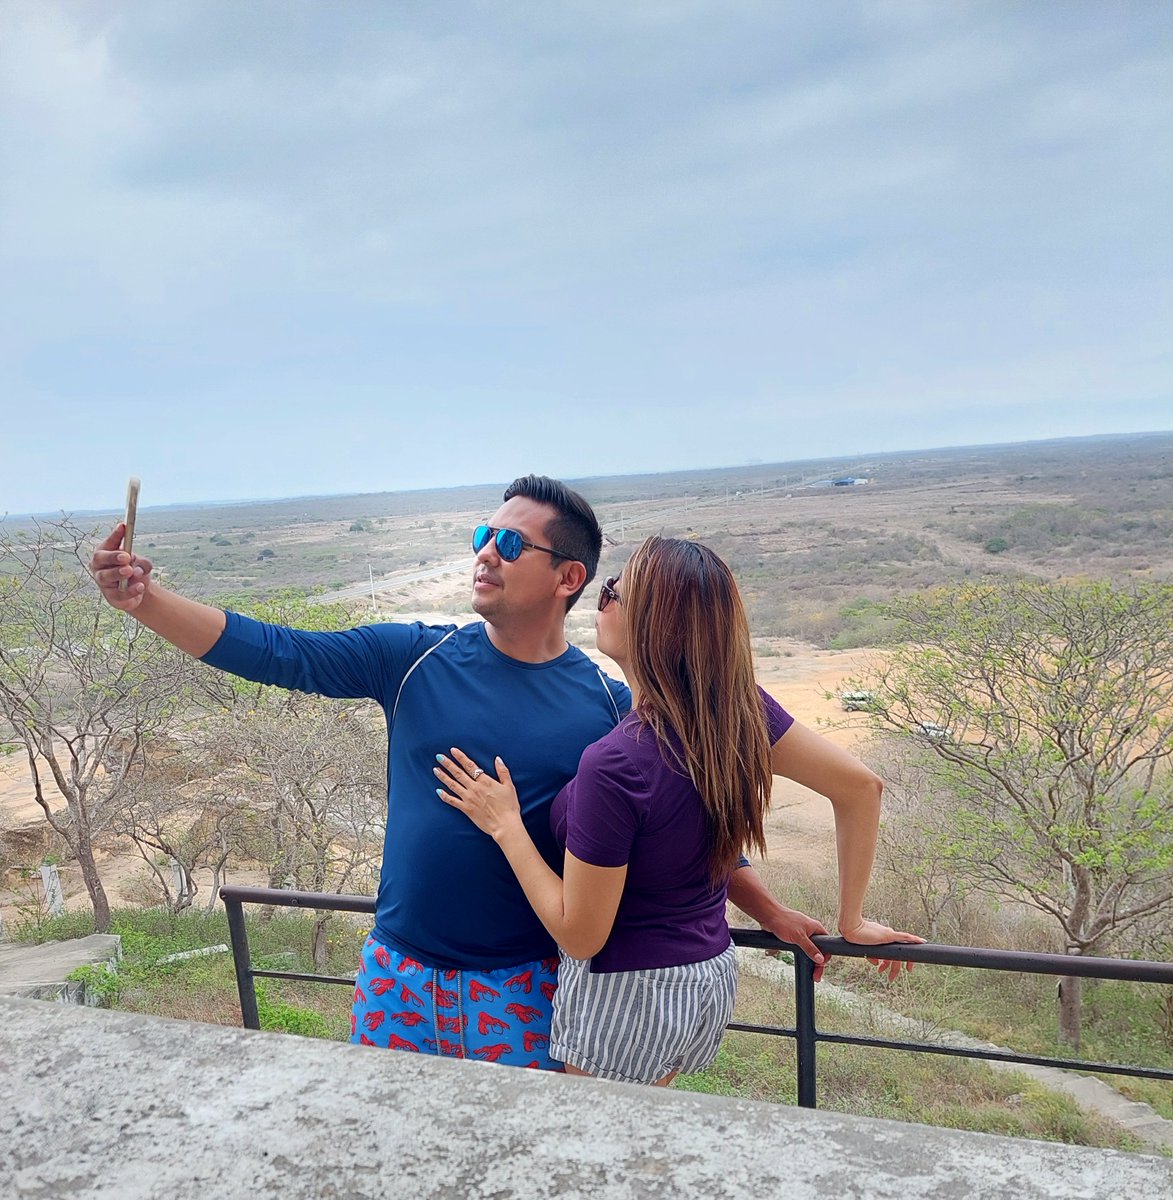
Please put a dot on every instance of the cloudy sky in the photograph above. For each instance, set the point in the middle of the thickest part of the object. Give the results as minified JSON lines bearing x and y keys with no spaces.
{"x":264,"y":249}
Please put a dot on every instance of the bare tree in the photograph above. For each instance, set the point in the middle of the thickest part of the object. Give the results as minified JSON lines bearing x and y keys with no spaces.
{"x":83,"y":688}
{"x":185,"y":813}
{"x":315,"y":772}
{"x":266,"y":775}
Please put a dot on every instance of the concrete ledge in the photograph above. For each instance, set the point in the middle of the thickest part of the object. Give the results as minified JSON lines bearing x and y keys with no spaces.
{"x":41,"y":972}
{"x":118,"y":1106}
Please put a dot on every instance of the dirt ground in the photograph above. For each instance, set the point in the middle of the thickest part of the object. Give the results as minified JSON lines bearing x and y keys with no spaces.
{"x":800,"y":827}
{"x":122,"y":870}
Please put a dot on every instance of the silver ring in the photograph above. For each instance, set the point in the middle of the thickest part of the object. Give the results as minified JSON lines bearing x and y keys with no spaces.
{"x":477,"y":773}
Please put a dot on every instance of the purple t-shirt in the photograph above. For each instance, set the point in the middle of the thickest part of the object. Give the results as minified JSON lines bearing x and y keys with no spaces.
{"x":627,"y":804}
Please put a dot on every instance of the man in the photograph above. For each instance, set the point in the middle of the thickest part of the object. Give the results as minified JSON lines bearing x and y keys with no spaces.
{"x":457,"y":963}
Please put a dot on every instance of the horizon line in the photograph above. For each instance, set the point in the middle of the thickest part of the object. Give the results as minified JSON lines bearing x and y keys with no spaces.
{"x":241,"y":502}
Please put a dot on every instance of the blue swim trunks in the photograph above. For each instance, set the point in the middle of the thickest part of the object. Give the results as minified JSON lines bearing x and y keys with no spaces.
{"x":494,"y":1016}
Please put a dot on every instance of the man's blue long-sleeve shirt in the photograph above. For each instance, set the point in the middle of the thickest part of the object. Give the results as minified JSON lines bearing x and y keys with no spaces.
{"x":447,"y":896}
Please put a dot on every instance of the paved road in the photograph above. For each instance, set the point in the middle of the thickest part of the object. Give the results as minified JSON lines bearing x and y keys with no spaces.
{"x":395,"y":581}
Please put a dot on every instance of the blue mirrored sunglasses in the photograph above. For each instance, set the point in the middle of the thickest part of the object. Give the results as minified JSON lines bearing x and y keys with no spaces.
{"x":510,"y":543}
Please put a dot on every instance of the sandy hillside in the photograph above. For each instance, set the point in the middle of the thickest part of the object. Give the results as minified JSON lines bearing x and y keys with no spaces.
{"x":17,"y":806}
{"x":121,"y":868}
{"x":801,"y":825}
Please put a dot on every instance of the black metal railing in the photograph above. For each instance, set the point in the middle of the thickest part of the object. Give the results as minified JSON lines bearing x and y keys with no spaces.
{"x":805,"y":1032}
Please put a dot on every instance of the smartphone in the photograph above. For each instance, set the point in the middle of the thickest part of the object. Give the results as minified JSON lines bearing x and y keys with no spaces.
{"x":131,"y":511}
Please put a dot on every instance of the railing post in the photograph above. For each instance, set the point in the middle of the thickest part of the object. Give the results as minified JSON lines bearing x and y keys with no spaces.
{"x":804,"y":1025}
{"x":245,"y":986}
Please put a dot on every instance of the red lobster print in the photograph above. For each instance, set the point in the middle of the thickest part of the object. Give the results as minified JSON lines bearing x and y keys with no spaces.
{"x":382,"y":985}
{"x":451,"y":1024}
{"x":452,"y":1049}
{"x":365,"y":1041}
{"x":478,"y":991}
{"x":548,"y":990}
{"x":443,"y":997}
{"x":522,"y":982}
{"x":487,"y":1024}
{"x":383,"y":957}
{"x":395,"y":1042}
{"x":409,"y":997}
{"x":550,"y":966}
{"x":408,"y":1018}
{"x":532,"y":1038}
{"x":360,"y":997}
{"x":449,"y":976}
{"x":523,"y":1012}
{"x":408,"y":966}
{"x":493,"y":1053}
{"x":374,"y":1019}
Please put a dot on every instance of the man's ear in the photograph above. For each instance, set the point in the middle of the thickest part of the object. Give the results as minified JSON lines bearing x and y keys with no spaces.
{"x":572,"y":576}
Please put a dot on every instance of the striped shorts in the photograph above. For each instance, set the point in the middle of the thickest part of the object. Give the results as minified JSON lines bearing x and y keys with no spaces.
{"x":494,"y":1016}
{"x":638,"y":1026}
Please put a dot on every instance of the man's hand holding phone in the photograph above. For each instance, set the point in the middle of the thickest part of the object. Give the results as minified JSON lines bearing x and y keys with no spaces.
{"x":121,"y":575}
{"x":132,"y":489}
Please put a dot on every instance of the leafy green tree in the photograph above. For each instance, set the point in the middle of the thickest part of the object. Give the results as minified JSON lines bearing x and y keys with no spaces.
{"x":915,"y":839}
{"x":1049,"y":710}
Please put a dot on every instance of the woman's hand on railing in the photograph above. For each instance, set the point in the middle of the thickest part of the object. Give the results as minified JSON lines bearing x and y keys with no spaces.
{"x":872,"y":933}
{"x":790,"y":925}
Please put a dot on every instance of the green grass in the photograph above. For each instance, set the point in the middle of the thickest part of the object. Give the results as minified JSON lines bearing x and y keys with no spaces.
{"x":896,"y":1085}
{"x":204,"y":989}
{"x":1123,"y":1023}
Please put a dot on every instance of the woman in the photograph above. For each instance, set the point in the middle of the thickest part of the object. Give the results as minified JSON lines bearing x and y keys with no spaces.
{"x":654,"y":824}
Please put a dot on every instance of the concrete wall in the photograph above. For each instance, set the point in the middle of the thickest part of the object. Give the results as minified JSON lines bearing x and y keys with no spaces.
{"x":41,"y":972}
{"x":113,"y":1105}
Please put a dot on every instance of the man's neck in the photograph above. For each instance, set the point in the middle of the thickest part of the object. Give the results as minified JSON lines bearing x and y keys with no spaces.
{"x":531,"y":642}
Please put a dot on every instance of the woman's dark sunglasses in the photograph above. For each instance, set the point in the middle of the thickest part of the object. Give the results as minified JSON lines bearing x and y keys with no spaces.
{"x":510,"y":543}
{"x":607,"y":592}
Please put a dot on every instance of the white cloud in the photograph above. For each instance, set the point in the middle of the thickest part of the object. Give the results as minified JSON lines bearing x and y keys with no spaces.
{"x":236,"y":217}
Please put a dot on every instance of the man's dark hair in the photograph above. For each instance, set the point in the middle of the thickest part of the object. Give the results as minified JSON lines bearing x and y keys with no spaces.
{"x":574,"y":532}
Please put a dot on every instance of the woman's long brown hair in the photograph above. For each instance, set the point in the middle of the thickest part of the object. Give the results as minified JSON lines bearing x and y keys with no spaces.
{"x":689,"y":655}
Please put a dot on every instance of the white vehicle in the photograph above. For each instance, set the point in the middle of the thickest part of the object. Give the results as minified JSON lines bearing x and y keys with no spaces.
{"x":860,"y":701}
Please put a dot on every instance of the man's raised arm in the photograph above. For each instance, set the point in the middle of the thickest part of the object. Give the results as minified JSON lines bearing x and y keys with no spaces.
{"x":193,"y":627}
